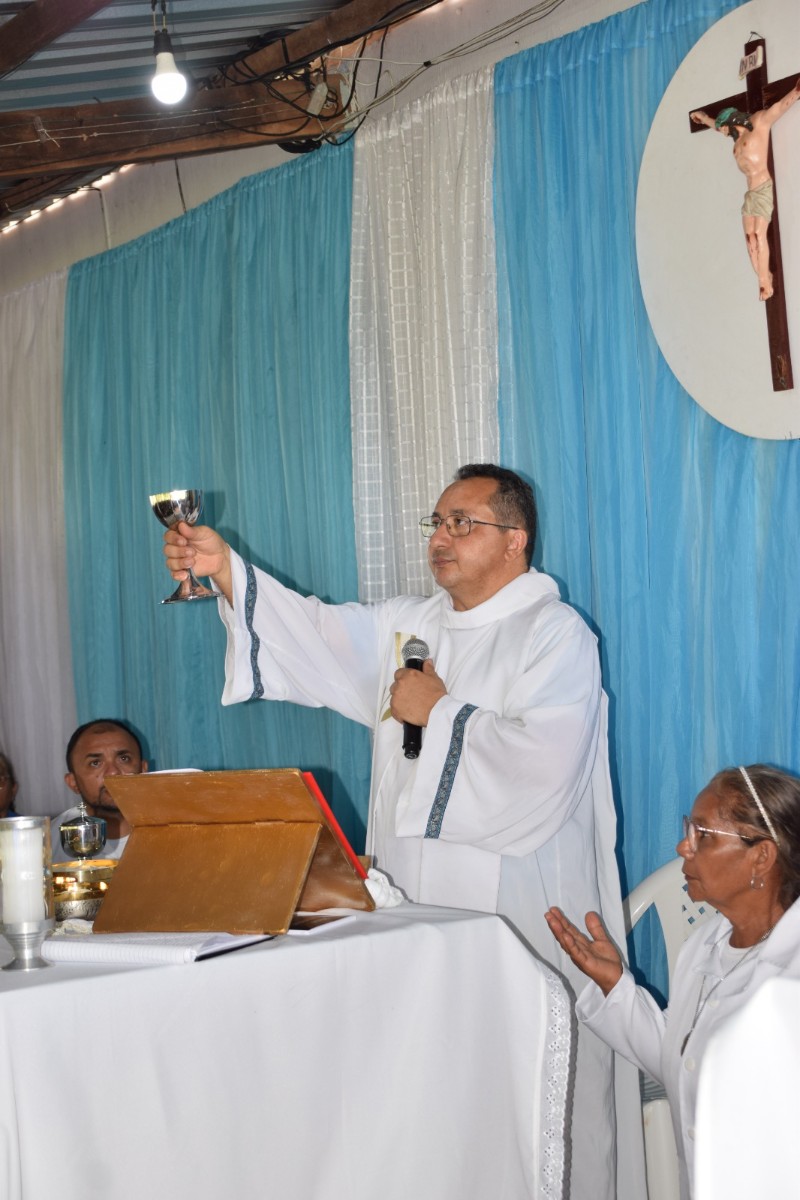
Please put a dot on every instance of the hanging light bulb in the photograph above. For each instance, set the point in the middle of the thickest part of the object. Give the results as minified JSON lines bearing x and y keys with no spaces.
{"x":168,"y":85}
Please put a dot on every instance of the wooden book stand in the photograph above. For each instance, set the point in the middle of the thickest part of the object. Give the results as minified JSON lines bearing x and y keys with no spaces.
{"x":227,"y":851}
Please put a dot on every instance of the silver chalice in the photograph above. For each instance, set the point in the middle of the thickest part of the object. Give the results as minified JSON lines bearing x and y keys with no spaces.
{"x":170,"y":508}
{"x":83,"y":836}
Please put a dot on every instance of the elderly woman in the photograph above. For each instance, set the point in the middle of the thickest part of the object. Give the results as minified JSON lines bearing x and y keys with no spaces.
{"x":8,"y":787}
{"x":741,"y":852}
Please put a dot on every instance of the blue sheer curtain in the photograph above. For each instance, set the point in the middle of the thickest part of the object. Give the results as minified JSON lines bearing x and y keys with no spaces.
{"x":669,"y":532}
{"x":213,"y":353}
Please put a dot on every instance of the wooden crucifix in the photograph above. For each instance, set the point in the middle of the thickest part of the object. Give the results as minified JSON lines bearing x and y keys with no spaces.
{"x":748,"y":119}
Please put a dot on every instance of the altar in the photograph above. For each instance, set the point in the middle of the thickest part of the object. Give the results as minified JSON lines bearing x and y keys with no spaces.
{"x":414,"y":1053}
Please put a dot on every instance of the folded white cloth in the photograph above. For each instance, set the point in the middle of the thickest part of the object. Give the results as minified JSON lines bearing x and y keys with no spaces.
{"x":72,"y":925}
{"x":382,"y":892}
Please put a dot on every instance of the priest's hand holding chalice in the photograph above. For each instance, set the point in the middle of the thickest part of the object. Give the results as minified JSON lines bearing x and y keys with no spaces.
{"x":191,"y":549}
{"x":172,"y":509}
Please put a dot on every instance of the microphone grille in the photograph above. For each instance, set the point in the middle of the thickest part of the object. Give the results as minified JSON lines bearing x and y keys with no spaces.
{"x":415,"y":648}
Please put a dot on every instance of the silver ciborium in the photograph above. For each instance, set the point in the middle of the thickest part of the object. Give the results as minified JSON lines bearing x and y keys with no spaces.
{"x":170,"y":508}
{"x":83,"y":836}
{"x":26,"y":889}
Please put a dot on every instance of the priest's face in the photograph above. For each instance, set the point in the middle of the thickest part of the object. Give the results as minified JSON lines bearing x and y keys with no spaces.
{"x":100,"y":752}
{"x":472,"y":568}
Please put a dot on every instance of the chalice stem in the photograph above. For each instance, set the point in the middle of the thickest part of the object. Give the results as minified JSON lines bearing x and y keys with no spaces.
{"x":190,"y":589}
{"x":170,"y":508}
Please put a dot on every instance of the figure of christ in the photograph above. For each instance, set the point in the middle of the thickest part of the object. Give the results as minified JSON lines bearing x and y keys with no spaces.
{"x":750,"y":133}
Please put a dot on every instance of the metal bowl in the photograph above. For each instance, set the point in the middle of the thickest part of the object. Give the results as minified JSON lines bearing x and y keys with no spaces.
{"x":71,"y":910}
{"x":79,"y":887}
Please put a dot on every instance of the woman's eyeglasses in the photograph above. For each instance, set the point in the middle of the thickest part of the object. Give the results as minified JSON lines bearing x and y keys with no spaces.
{"x":692,"y":832}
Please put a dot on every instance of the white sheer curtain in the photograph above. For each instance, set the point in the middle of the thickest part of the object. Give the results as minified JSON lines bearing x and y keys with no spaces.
{"x":423,"y":321}
{"x":37,"y":704}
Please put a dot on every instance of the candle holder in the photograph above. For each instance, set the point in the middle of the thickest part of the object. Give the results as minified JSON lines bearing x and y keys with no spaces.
{"x":26,"y":889}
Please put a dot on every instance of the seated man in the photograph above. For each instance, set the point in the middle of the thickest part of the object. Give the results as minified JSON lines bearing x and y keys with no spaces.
{"x":95,"y":750}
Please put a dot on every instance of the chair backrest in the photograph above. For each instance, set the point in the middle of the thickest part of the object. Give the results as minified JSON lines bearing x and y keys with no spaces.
{"x":666,"y":890}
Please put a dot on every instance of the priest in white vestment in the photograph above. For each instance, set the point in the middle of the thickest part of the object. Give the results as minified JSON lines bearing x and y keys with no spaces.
{"x":508,"y":807}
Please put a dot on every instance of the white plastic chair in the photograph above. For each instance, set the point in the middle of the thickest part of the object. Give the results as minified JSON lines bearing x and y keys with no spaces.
{"x":665,"y":890}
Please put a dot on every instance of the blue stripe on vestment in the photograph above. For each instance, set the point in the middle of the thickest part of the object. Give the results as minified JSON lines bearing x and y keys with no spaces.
{"x":255,"y":644}
{"x":448,"y":772}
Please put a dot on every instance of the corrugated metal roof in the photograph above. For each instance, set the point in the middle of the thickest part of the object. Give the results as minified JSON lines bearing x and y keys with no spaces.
{"x":109,"y":56}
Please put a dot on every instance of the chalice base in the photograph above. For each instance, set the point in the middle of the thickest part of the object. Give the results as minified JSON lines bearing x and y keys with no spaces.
{"x":190,"y":589}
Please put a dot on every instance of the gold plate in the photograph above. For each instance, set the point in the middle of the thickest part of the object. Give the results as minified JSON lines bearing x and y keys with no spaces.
{"x":87,"y":870}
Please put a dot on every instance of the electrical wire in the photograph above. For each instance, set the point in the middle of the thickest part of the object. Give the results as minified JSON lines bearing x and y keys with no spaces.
{"x":186,"y":125}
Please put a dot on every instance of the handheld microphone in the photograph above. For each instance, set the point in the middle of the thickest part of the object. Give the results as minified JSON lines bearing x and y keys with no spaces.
{"x":414,"y":653}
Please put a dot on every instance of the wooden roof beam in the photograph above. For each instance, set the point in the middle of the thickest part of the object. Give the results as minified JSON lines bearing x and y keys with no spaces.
{"x":97,"y":136}
{"x":39,"y":24}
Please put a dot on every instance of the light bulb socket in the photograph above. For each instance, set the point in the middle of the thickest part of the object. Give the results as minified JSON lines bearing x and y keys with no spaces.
{"x":162,"y":43}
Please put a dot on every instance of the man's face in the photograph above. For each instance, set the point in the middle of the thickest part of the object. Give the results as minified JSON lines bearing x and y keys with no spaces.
{"x":472,"y":568}
{"x":97,"y":754}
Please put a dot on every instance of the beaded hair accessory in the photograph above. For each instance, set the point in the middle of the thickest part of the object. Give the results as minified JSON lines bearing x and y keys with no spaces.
{"x":761,"y":808}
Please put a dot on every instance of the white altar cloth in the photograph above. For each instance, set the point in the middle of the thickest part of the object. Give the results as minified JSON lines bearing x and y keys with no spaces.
{"x":414,"y":1053}
{"x":746,"y":1128}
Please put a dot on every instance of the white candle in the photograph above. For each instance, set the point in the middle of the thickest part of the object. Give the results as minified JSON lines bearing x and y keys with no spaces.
{"x":22,"y":871}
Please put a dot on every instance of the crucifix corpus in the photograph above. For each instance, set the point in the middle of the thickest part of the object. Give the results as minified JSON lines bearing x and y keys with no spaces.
{"x":747,"y":119}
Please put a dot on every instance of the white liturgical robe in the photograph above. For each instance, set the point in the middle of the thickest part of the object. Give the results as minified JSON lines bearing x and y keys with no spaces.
{"x":508,"y":808}
{"x":705,"y":992}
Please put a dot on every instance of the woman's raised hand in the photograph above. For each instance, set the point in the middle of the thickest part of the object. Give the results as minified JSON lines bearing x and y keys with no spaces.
{"x":595,"y":955}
